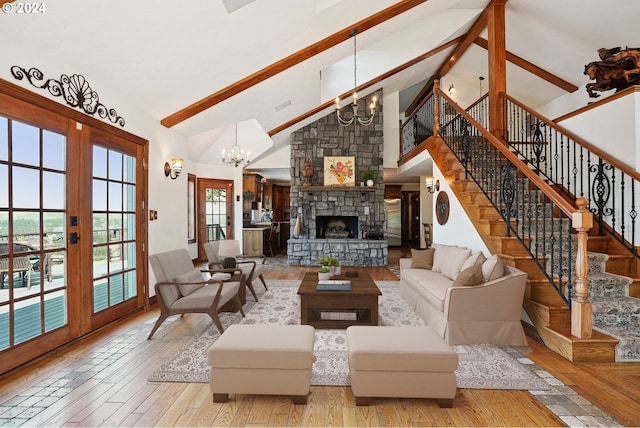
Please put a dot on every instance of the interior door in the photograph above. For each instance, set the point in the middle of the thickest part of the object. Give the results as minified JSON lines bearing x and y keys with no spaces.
{"x":215,"y":212}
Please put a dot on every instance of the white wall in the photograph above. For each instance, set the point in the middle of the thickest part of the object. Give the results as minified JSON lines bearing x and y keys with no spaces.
{"x":391,"y":130}
{"x":458,"y":230}
{"x":166,"y":196}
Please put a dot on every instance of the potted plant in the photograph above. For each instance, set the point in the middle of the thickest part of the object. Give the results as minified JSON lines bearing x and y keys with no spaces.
{"x":330,"y":263}
{"x":324,"y":273}
{"x":369,"y":176}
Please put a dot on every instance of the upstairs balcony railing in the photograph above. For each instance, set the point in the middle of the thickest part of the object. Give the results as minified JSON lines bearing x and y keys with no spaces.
{"x":578,"y":169}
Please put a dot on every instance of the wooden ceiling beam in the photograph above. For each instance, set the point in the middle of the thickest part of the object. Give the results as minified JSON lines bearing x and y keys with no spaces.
{"x":469,"y":38}
{"x":368,"y":84}
{"x":288,"y":62}
{"x":532,"y":68}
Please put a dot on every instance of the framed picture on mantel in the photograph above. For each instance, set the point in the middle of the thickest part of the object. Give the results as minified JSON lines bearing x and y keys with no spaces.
{"x":339,"y":171}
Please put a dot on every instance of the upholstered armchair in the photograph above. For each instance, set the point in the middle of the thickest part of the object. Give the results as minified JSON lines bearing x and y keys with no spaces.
{"x":252,"y":267}
{"x":181,"y":288}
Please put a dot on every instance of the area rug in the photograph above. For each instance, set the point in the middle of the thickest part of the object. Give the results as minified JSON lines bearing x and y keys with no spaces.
{"x":480,"y":366}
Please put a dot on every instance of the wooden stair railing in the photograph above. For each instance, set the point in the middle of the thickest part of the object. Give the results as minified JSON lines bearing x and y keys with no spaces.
{"x":471,"y":144}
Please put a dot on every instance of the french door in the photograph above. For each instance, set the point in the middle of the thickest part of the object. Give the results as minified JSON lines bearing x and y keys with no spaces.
{"x":215,"y":212}
{"x":72,"y":229}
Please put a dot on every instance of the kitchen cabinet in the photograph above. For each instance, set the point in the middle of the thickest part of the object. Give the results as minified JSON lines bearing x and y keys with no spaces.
{"x":253,"y":239}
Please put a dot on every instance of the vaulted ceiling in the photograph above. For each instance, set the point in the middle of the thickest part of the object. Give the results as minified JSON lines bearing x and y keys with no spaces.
{"x":277,"y":64}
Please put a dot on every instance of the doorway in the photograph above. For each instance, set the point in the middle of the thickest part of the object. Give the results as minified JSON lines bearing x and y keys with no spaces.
{"x":72,"y":228}
{"x":215,"y":212}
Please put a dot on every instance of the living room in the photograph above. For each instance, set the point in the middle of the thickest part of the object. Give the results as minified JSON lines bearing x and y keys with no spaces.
{"x":125,"y":85}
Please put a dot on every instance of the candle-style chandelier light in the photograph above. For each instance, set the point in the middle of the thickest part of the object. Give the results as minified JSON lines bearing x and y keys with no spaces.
{"x":362,"y":120}
{"x":236,"y":156}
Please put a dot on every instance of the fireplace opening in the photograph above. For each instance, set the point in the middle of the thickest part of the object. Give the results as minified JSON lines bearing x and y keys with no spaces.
{"x":336,"y":227}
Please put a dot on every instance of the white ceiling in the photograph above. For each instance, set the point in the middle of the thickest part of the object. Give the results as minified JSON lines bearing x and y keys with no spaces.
{"x":164,"y":55}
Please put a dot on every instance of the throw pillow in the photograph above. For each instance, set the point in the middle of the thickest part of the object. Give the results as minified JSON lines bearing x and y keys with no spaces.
{"x":449,"y":259}
{"x":192,"y":276}
{"x":469,"y":276}
{"x":474,"y":259}
{"x":492,"y":268}
{"x":422,"y":259}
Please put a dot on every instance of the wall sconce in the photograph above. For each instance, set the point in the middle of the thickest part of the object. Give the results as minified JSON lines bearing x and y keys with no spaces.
{"x":173,"y":169}
{"x":452,"y":89}
{"x":431,"y":186}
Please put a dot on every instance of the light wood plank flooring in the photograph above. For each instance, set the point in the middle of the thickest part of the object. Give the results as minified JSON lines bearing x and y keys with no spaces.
{"x":118,"y":360}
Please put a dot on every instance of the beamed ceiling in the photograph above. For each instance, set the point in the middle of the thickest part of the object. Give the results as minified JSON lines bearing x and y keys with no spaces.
{"x":201,"y":66}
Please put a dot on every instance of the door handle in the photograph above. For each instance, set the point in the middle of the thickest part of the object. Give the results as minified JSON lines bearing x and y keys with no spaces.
{"x":74,"y":238}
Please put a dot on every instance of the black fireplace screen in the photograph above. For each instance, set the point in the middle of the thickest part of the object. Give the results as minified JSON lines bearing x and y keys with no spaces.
{"x":336,"y":227}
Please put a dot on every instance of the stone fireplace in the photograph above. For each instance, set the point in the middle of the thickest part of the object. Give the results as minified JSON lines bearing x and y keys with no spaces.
{"x":349,"y":212}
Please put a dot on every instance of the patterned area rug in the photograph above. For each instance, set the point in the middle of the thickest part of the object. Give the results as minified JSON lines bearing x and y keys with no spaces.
{"x":480,"y":366}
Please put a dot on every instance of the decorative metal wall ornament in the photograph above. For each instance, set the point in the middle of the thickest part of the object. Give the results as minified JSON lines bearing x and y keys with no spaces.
{"x":74,"y":89}
{"x":442,"y":208}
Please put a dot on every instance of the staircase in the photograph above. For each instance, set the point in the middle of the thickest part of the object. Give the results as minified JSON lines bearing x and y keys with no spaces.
{"x":613,"y":271}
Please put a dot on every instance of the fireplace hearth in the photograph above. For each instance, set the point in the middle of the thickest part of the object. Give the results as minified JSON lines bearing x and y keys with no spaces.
{"x":336,"y":227}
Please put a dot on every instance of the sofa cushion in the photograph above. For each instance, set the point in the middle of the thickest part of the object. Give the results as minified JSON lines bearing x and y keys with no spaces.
{"x":434,"y":289}
{"x":448,"y":259}
{"x":469,"y":276}
{"x":422,"y":259}
{"x":492,"y":268}
{"x":193,"y":275}
{"x":474,"y":259}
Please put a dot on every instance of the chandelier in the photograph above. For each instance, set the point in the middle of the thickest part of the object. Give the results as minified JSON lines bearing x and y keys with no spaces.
{"x":236,"y":156}
{"x":362,"y":120}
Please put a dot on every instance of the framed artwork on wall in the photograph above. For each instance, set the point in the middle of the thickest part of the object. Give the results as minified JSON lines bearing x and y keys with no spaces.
{"x":339,"y":171}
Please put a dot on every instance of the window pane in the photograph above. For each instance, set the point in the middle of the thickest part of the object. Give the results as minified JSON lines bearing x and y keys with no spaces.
{"x":100,"y":261}
{"x":100,"y":295}
{"x":115,"y":227}
{"x":129,"y":255}
{"x":27,"y":319}
{"x":115,"y":196}
{"x":25,"y":144}
{"x":129,"y":198}
{"x":99,"y":195}
{"x":25,"y":224}
{"x":129,"y":169}
{"x":115,"y":166}
{"x":4,"y":186}
{"x":4,"y":226}
{"x":55,"y":310}
{"x":26,"y":188}
{"x":115,"y":289}
{"x":129,"y":232}
{"x":53,"y":230}
{"x":53,"y":191}
{"x":130,"y":284}
{"x":99,"y":162}
{"x":4,"y":139}
{"x":115,"y":258}
{"x":53,"y":150}
{"x":4,"y":323}
{"x":99,"y":228}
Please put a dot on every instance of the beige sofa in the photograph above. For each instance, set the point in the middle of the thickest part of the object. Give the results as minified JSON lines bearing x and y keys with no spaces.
{"x":463,"y":296}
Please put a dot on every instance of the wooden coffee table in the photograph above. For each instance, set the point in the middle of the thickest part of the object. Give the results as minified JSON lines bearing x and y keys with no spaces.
{"x":339,"y":309}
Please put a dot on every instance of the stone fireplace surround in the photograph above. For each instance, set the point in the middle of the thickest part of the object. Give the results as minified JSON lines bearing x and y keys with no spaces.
{"x":326,"y":137}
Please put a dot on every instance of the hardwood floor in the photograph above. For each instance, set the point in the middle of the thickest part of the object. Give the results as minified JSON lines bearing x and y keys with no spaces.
{"x":116,"y":362}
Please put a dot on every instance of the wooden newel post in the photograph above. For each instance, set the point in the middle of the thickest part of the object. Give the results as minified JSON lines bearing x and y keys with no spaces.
{"x":436,"y":107}
{"x":581,"y":314}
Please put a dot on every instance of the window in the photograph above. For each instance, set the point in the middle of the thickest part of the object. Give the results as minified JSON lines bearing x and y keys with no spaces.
{"x":191,"y":208}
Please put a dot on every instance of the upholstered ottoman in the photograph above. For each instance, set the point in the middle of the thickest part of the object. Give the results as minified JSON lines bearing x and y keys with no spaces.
{"x":410,"y":362}
{"x":262,"y":359}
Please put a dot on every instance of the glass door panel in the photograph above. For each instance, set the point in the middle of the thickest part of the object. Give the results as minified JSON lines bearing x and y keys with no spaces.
{"x":114,"y":228}
{"x":33,"y":177}
{"x":215,"y":209}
